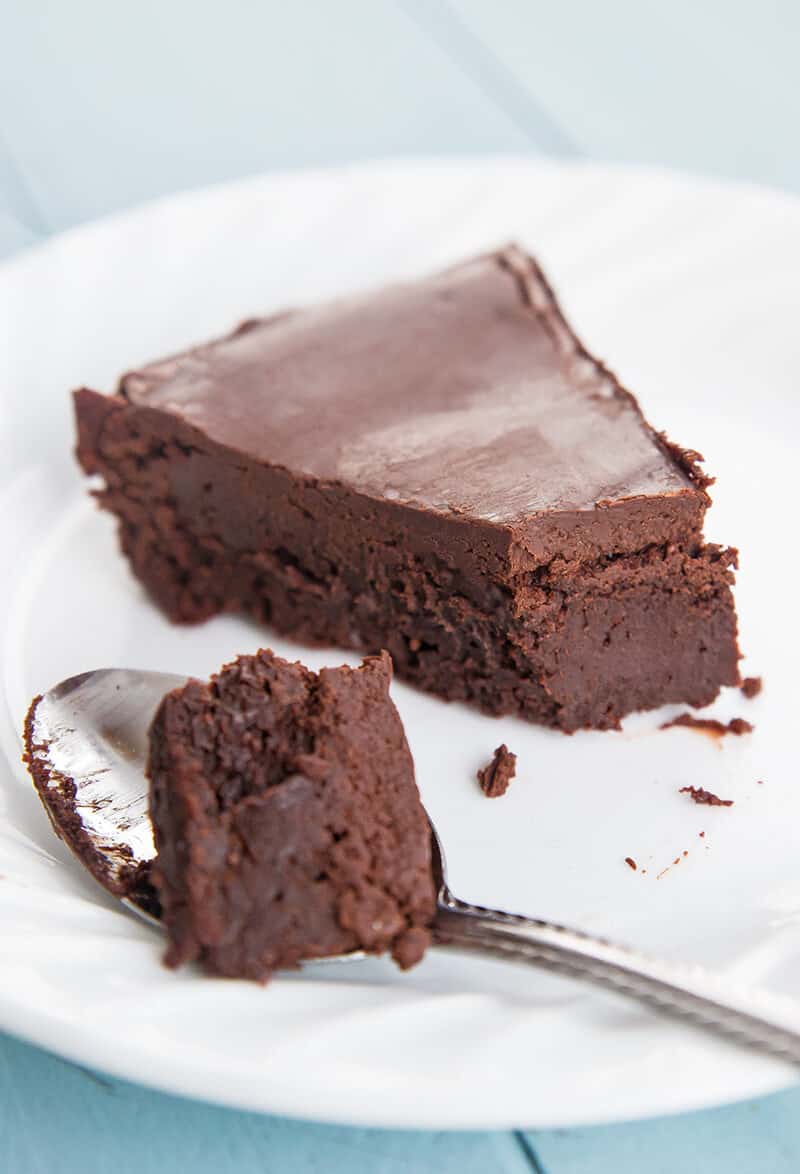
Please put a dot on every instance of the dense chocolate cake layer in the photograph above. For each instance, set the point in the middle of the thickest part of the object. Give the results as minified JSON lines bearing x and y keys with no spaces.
{"x":287,"y":821}
{"x":439,"y":469}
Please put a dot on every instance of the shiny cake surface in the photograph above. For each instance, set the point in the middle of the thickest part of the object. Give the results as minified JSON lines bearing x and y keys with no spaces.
{"x":464,"y":393}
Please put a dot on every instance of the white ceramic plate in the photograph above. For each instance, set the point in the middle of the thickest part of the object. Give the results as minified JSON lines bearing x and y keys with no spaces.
{"x":690,"y":291}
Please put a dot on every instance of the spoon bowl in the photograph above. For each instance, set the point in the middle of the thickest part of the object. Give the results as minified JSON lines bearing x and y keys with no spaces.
{"x":86,"y":748}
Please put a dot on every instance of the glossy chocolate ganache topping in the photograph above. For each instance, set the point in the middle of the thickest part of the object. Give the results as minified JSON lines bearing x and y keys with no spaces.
{"x":465,"y":393}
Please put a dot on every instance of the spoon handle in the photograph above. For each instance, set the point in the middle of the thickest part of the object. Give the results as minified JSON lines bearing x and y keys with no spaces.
{"x":749,"y":1016}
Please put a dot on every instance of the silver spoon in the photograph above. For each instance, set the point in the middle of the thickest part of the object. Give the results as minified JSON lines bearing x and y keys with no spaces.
{"x":87,"y":744}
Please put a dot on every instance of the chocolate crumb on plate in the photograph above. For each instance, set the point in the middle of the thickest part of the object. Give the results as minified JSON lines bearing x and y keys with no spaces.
{"x":751,"y":687}
{"x":700,"y":795}
{"x":710,"y":725}
{"x":664,"y":871}
{"x":497,"y":774}
{"x":631,"y":863}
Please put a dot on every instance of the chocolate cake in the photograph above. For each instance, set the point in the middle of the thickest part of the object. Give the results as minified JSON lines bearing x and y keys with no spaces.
{"x":440,"y":469}
{"x":287,"y":821}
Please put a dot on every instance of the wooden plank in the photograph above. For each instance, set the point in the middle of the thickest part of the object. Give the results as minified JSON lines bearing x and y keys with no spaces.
{"x":13,"y":234}
{"x":56,"y":1117}
{"x":475,"y":58}
{"x":709,"y":87}
{"x":757,"y":1137}
{"x":104,"y":105}
{"x":21,"y":221}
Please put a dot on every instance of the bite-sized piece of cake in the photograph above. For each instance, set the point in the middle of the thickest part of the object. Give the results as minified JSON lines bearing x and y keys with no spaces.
{"x":440,"y":469}
{"x":287,"y":821}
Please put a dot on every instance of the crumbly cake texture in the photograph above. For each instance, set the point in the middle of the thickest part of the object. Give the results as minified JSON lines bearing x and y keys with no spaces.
{"x":494,"y":778}
{"x":287,"y":820}
{"x":439,"y":469}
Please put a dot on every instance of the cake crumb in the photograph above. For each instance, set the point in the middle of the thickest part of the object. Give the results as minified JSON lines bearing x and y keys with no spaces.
{"x":751,"y":687}
{"x":631,"y":863}
{"x":408,"y":949}
{"x":701,"y":835}
{"x":701,"y":795}
{"x":664,"y":871}
{"x":710,"y":725}
{"x":497,"y":774}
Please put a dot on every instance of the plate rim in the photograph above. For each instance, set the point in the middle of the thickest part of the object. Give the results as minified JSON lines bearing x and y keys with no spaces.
{"x":444,"y":164}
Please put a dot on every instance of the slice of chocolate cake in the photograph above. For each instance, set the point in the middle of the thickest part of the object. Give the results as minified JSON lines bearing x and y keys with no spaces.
{"x":439,"y":469}
{"x":287,"y":821}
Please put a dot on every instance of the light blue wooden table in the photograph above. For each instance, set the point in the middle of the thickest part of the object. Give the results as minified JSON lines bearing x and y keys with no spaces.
{"x":103,"y":105}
